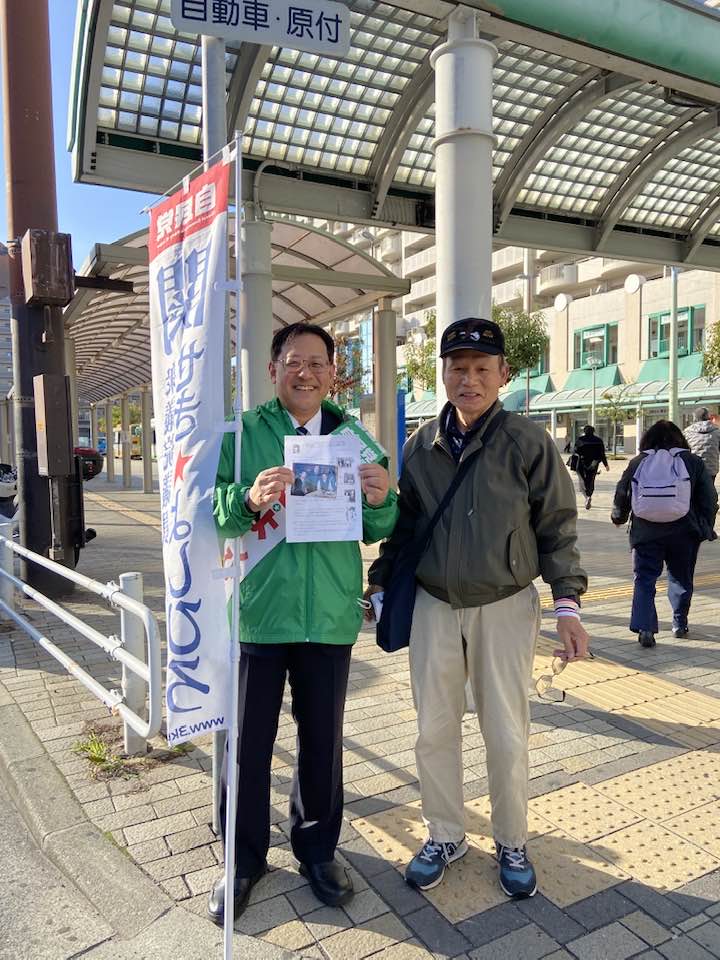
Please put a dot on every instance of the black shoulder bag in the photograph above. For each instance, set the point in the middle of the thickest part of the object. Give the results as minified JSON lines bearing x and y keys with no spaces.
{"x":393,"y":627}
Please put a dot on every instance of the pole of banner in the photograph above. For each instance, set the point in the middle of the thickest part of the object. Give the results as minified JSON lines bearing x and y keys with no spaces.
{"x":231,"y":779}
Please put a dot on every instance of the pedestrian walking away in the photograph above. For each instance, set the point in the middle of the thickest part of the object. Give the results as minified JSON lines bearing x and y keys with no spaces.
{"x":703,"y":437}
{"x":590,"y":450}
{"x":300,"y":615}
{"x":671,"y":502}
{"x":512,"y":518}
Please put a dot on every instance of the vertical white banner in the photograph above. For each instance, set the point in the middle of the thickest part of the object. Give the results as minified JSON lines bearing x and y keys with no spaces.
{"x":188,"y":256}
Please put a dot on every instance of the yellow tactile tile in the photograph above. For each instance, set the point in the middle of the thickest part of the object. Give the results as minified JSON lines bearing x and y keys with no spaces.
{"x":653,"y":855}
{"x":569,"y":871}
{"x":700,"y":826}
{"x":470,"y":885}
{"x":586,"y":672}
{"x":583,"y":812}
{"x":685,"y":707}
{"x":668,"y":788}
{"x":627,"y":691}
{"x":479,"y":827}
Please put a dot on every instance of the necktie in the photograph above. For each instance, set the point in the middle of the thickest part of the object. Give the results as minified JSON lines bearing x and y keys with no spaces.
{"x":302,"y":431}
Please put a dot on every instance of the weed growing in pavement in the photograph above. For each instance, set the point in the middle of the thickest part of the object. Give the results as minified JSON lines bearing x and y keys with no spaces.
{"x":99,"y":754}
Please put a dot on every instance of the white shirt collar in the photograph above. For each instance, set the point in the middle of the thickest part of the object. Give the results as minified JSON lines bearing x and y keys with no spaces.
{"x":313,"y":426}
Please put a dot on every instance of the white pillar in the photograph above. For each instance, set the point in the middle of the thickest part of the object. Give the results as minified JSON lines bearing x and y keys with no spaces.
{"x":463,"y":174}
{"x":638,"y":428}
{"x":145,"y":417}
{"x":528,"y":280}
{"x":125,"y":441}
{"x":256,"y":312}
{"x":71,"y":373}
{"x":553,"y":424}
{"x":94,"y":432}
{"x":673,"y":405}
{"x":109,"y":443}
{"x":386,"y":381}
{"x":133,"y":687}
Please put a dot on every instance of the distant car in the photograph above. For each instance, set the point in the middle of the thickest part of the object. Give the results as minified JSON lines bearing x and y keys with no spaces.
{"x":92,"y":461}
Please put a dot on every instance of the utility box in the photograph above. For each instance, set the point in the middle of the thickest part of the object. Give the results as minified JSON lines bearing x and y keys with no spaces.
{"x":47,"y":268}
{"x":52,"y":423}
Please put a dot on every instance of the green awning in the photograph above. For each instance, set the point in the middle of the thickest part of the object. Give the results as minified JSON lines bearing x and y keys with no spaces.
{"x":606,"y":376}
{"x":658,"y":368}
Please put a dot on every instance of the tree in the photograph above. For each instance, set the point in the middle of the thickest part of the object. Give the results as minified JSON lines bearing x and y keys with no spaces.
{"x":526,"y":339}
{"x":615,"y":410}
{"x":711,"y":354}
{"x":420,"y":357}
{"x":349,"y":371}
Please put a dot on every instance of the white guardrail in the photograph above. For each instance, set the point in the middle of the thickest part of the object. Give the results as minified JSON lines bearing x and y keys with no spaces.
{"x":139,"y":631}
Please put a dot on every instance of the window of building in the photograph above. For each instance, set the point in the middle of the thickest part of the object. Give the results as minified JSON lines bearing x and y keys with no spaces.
{"x":698,"y":329}
{"x":691,"y":332}
{"x":599,"y":343}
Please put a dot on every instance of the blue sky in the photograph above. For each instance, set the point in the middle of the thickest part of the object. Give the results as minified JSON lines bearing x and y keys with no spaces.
{"x":78,"y":204}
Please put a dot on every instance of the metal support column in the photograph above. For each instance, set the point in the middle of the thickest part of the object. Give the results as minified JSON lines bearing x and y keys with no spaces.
{"x":125,"y":441}
{"x":386,"y":381}
{"x":673,"y":404}
{"x":256,"y":315}
{"x":37,"y":332}
{"x":110,"y":435}
{"x":71,"y":373}
{"x":134,"y":688}
{"x":94,"y":431}
{"x":553,"y":424}
{"x":528,"y":280}
{"x":463,"y":174}
{"x":146,"y":417}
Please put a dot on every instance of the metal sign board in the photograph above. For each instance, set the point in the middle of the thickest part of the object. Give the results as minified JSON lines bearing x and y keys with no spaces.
{"x":316,"y":26}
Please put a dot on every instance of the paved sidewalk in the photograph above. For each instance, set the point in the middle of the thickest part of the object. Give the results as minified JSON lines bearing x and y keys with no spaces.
{"x":625,"y":814}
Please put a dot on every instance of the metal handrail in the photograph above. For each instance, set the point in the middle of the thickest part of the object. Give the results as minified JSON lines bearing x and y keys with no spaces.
{"x":113,"y":645}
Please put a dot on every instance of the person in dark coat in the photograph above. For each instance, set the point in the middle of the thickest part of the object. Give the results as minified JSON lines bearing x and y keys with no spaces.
{"x":674,"y":544}
{"x":591,"y":452}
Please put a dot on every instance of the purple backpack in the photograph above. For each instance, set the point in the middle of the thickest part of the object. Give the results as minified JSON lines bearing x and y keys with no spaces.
{"x":661,"y":487}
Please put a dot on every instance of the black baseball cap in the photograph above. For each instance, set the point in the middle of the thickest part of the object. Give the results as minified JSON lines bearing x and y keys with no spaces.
{"x":485,"y":336}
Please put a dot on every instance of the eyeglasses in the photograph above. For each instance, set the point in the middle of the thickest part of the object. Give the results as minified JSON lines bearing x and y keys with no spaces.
{"x":544,"y":684}
{"x":294,"y":365}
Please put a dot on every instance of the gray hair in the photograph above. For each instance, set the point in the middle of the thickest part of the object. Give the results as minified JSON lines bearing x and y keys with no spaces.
{"x":702,"y":413}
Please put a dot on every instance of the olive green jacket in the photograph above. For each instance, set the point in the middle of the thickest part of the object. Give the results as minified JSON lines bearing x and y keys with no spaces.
{"x":512,"y":518}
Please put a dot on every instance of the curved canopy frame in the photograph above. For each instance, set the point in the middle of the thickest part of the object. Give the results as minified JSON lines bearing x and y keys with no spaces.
{"x":316,"y":277}
{"x":588,"y":112}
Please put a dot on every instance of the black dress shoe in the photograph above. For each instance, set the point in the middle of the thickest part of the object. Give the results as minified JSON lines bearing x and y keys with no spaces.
{"x":329,"y":881}
{"x":242,"y":888}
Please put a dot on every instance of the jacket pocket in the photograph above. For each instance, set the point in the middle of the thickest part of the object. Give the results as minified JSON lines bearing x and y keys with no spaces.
{"x":518,"y":558}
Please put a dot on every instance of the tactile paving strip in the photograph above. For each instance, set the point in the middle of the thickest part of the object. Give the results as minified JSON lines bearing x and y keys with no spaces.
{"x":584,"y":672}
{"x":668,"y":788}
{"x":700,"y":826}
{"x":655,"y":856}
{"x":569,"y":871}
{"x":627,"y":691}
{"x":470,"y":885}
{"x":582,"y":812}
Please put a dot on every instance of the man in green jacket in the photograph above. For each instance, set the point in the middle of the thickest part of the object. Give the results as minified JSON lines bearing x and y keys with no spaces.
{"x":477,"y":613}
{"x":300,"y":613}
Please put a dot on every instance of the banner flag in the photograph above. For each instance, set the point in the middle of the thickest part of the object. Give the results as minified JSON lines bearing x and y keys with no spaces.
{"x":187,"y":276}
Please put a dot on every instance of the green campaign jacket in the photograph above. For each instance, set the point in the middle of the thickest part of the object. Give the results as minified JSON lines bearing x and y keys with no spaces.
{"x":299,"y":592}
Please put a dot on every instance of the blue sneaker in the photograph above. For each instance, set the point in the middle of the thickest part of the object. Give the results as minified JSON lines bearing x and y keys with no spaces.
{"x":517,"y":874}
{"x":427,"y":868}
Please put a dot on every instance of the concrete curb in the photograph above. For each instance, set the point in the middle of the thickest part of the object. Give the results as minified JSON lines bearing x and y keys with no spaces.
{"x":139,"y":913}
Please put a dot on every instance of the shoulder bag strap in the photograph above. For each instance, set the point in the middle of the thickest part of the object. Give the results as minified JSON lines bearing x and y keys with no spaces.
{"x":424,"y":541}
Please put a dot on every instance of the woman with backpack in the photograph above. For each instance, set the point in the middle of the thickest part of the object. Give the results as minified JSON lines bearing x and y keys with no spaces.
{"x":668,"y":494}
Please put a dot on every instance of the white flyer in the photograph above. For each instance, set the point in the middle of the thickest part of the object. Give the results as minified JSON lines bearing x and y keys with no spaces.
{"x":324,"y":501}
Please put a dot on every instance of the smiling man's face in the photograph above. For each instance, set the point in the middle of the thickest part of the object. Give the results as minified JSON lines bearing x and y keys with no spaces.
{"x":472,"y":382}
{"x":302,"y":375}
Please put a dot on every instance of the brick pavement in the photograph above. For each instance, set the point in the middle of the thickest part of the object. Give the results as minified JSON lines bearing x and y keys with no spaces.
{"x":624,"y":781}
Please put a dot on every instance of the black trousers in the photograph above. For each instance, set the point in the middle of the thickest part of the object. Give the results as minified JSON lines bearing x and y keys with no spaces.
{"x":586,"y":480}
{"x":318,"y":675}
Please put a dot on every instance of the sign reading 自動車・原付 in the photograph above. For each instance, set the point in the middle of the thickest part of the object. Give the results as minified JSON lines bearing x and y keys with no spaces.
{"x":316,"y":26}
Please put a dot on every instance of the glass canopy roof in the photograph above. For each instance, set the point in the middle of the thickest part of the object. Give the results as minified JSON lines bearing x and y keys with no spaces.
{"x":605,"y":148}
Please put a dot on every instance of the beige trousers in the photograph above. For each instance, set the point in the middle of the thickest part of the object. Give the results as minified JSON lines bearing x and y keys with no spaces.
{"x":493,"y":646}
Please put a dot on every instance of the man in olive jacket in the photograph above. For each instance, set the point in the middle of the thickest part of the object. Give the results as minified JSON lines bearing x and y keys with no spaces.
{"x":477,"y":614}
{"x":300,"y":614}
